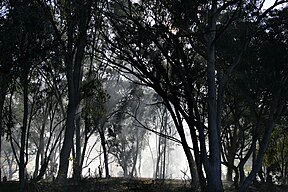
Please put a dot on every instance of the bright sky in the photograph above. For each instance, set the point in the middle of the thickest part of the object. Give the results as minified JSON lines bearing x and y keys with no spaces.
{"x":269,"y":3}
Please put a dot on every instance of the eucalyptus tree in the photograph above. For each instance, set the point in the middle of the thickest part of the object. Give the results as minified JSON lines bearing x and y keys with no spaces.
{"x":163,"y":125}
{"x":94,"y":115}
{"x":48,"y":122}
{"x":71,"y":21}
{"x":126,"y":138}
{"x":171,"y":46}
{"x":27,"y":29}
{"x":6,"y":62}
{"x":266,"y":91}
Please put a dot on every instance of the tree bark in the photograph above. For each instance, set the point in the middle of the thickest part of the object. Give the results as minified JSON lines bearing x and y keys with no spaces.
{"x":77,"y":164}
{"x":73,"y":61}
{"x":23,"y":142}
{"x":213,"y":168}
{"x":105,"y":153}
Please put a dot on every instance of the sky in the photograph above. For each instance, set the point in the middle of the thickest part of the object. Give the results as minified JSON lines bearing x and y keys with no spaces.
{"x":269,"y":3}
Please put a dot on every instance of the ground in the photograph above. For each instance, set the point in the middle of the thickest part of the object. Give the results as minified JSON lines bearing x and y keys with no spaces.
{"x":124,"y":185}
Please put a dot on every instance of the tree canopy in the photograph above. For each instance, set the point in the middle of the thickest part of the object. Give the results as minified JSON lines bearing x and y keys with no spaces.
{"x":75,"y":70}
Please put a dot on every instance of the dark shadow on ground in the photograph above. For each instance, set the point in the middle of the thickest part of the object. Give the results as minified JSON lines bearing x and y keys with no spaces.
{"x":124,"y":185}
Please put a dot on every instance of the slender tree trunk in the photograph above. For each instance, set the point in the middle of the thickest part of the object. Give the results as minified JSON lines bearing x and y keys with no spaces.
{"x":40,"y":151}
{"x":135,"y":157}
{"x":86,"y":138}
{"x":264,"y":144}
{"x":165,"y":117}
{"x":105,"y":153}
{"x":159,"y":155}
{"x":78,"y":168}
{"x":191,"y":163}
{"x":164,"y":159}
{"x":231,"y":154}
{"x":4,"y":79}
{"x":23,"y":142}
{"x":195,"y":169}
{"x":139,"y":165}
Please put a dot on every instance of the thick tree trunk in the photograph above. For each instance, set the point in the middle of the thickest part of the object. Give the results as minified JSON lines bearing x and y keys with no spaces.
{"x":73,"y":62}
{"x":213,"y":168}
{"x":67,"y":143}
{"x":229,"y":174}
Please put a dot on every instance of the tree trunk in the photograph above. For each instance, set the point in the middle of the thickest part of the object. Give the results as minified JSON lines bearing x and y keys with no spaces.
{"x":139,"y":165}
{"x":4,"y":79}
{"x":22,"y":163}
{"x":278,"y":102}
{"x":213,"y":168}
{"x":263,"y":146}
{"x":231,"y":153}
{"x":135,"y":157}
{"x":164,"y":158}
{"x":195,"y":169}
{"x":125,"y":169}
{"x":73,"y":62}
{"x":40,"y":150}
{"x":86,"y":138}
{"x":78,"y":167}
{"x":105,"y":153}
{"x":159,"y":155}
{"x":191,"y":163}
{"x":229,"y":174}
{"x":67,"y":144}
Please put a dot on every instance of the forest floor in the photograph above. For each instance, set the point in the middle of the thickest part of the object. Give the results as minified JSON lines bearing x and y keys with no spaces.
{"x":123,"y":185}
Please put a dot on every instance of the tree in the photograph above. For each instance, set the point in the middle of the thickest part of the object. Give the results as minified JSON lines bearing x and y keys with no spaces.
{"x":276,"y":156}
{"x":126,"y":138}
{"x":267,"y":96}
{"x":75,"y":16}
{"x":163,"y":143}
{"x":29,"y":45}
{"x":170,"y":46}
{"x":5,"y":66}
